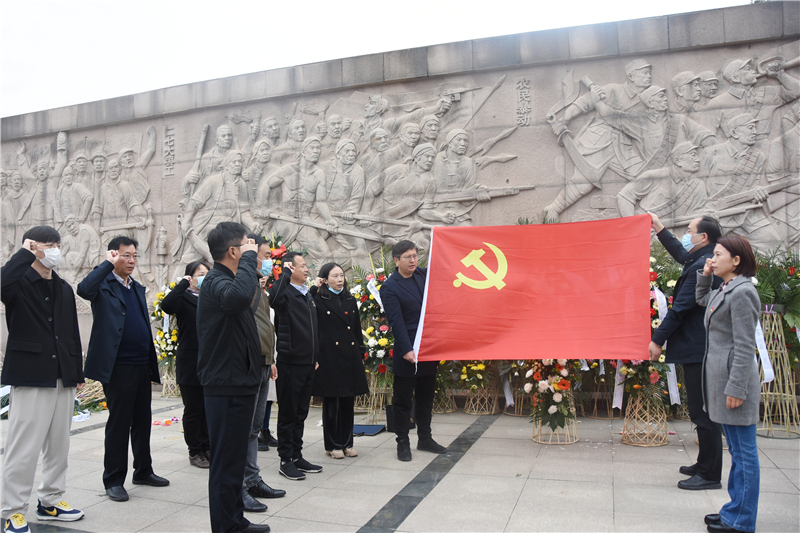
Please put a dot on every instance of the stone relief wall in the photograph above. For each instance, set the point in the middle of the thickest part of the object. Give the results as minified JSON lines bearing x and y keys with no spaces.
{"x":343,"y":172}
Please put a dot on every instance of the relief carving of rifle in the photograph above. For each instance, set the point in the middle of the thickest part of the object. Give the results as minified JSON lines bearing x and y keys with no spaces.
{"x":472,"y":194}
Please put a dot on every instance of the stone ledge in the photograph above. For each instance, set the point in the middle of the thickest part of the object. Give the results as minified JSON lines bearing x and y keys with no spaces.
{"x":699,"y":29}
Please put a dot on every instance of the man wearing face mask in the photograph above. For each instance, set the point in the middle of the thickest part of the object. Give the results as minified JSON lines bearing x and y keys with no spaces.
{"x":683,"y":328}
{"x":43,"y":366}
{"x":253,"y":486}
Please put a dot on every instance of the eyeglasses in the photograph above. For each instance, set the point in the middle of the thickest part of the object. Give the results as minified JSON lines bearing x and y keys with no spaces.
{"x":129,"y":257}
{"x":409,"y":257}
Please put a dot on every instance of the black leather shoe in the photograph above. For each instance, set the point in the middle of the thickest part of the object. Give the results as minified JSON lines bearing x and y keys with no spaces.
{"x":697,"y":483}
{"x":689,"y":470}
{"x":251,"y":505}
{"x":262,"y":446}
{"x":712,"y":519}
{"x":262,"y":490}
{"x":117,"y":494}
{"x":404,"y":450}
{"x":430,"y":445}
{"x":152,"y":480}
{"x":722,"y":528}
{"x":256,"y":528}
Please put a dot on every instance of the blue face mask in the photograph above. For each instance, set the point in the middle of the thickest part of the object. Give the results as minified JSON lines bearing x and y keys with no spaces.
{"x":334,"y":291}
{"x":200,"y":281}
{"x":266,"y":267}
{"x":687,"y":243}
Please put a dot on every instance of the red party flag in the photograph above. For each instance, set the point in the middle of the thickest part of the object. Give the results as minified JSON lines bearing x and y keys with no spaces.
{"x":548,"y":291}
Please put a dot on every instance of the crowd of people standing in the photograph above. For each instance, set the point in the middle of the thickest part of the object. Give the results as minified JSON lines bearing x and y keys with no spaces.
{"x":226,"y":362}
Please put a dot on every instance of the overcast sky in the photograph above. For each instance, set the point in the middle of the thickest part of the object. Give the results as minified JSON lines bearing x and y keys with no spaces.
{"x":63,"y":52}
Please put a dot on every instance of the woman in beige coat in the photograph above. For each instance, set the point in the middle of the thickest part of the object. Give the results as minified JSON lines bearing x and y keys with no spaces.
{"x":731,"y":378}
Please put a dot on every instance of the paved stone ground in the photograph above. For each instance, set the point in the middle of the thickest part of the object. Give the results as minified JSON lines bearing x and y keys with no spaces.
{"x":494,"y":479}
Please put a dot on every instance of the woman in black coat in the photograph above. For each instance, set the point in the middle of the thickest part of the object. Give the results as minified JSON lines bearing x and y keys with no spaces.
{"x":340,"y":376}
{"x":182,"y":302}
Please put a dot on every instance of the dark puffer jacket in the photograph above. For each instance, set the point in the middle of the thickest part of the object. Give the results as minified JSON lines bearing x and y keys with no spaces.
{"x":295,"y":323}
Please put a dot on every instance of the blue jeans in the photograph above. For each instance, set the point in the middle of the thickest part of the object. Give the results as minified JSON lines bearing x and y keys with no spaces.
{"x":743,"y":480}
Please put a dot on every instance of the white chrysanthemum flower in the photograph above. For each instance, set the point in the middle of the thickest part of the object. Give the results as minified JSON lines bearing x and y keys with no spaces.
{"x":754,"y":281}
{"x":528,"y":388}
{"x":547,"y":362}
{"x":564,"y":372}
{"x":557,"y":397}
{"x":372,"y":343}
{"x":552,"y":409}
{"x":529,"y":373}
{"x":543,"y":386}
{"x":380,"y":353}
{"x":562,"y":362}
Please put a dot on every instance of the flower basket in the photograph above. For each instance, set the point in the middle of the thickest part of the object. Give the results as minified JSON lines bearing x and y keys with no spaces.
{"x":683,"y":409}
{"x":602,"y":402}
{"x":482,"y":401}
{"x":645,"y":421}
{"x":91,"y":393}
{"x":446,"y":403}
{"x":379,"y":397}
{"x":169,"y":384}
{"x":543,"y":434}
{"x":780,"y":402}
{"x":316,"y":402}
{"x":522,"y":405}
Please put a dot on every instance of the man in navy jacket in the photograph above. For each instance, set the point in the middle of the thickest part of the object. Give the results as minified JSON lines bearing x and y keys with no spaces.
{"x":122,"y":357}
{"x":683,"y":328}
{"x":43,"y":366}
{"x":402,"y":295}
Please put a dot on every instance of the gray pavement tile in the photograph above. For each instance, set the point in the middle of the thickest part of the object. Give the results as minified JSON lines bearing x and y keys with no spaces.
{"x":184,"y":488}
{"x":517,"y":431}
{"x":782,"y":458}
{"x":505,"y":447}
{"x":667,"y":454}
{"x":657,"y":474}
{"x":188,"y":519}
{"x":646,"y":523}
{"x":358,"y":479}
{"x":585,"y":451}
{"x":133,"y":515}
{"x":776,"y":480}
{"x":553,"y":468}
{"x":335,"y":506}
{"x":662,"y":501}
{"x":479,"y":464}
{"x":289,"y":525}
{"x":793,"y":476}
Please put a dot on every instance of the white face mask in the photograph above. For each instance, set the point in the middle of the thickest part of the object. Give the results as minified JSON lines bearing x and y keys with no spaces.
{"x":52,"y":256}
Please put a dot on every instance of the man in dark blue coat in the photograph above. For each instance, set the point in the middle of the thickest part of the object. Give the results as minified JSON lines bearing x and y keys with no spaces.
{"x":683,"y":328}
{"x":122,"y":357}
{"x":402,"y":295}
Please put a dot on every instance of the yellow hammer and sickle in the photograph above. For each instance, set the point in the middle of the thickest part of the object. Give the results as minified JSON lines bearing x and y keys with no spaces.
{"x":493,"y":279}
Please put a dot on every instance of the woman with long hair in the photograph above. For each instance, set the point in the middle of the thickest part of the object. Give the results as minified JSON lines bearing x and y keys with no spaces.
{"x":340,"y":376}
{"x":731,"y":378}
{"x":182,"y":302}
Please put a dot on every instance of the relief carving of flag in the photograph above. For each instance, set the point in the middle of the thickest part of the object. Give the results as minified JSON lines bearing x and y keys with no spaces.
{"x":565,"y":291}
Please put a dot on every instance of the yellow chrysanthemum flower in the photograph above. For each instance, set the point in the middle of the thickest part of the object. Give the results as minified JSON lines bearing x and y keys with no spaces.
{"x":370,"y":330}
{"x":383,"y":342}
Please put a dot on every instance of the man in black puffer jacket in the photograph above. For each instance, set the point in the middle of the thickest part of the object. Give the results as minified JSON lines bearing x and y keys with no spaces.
{"x":683,"y":328}
{"x":229,"y":367}
{"x":298,"y":347}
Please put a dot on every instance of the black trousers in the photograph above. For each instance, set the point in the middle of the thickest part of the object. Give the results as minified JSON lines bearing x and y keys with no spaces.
{"x":195,"y":427}
{"x":229,"y":421}
{"x":294,"y":398}
{"x":128,"y":399}
{"x":709,"y":434}
{"x":423,"y":390}
{"x":337,"y":422}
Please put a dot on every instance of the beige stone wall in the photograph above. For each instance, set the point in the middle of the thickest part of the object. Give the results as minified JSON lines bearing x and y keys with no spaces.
{"x":150,"y":183}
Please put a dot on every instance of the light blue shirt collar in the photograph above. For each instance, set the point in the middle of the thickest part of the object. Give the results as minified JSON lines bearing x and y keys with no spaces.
{"x":302,"y":288}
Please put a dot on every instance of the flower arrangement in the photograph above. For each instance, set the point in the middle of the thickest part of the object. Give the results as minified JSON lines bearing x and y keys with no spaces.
{"x":778,"y":285}
{"x":645,"y":376}
{"x":475,"y":375}
{"x":549,"y":387}
{"x":380,"y":349}
{"x":515,"y":372}
{"x":277,"y":251}
{"x":166,"y":340}
{"x":446,"y":379}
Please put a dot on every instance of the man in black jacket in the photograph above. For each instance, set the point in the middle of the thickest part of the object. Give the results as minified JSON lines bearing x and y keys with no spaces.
{"x":122,"y":357}
{"x":43,"y":365}
{"x":683,"y":328}
{"x":402,"y":295}
{"x":298,"y":348}
{"x":229,"y":365}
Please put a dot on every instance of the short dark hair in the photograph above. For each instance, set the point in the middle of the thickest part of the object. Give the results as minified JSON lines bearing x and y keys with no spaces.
{"x":194,"y":265}
{"x":325,"y":271}
{"x":288,"y":257}
{"x":225,"y":235}
{"x":402,"y":247}
{"x":122,"y":240}
{"x":259,"y":240}
{"x":739,"y":246}
{"x":43,"y":234}
{"x":709,"y":226}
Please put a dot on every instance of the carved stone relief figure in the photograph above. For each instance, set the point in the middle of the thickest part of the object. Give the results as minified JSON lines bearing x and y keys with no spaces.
{"x":211,"y":162}
{"x":600,"y":146}
{"x":80,"y":249}
{"x":675,"y":193}
{"x":98,"y":174}
{"x":455,"y":172}
{"x":82,"y":175}
{"x":783,"y":166}
{"x":378,"y":144}
{"x":744,"y":95}
{"x":734,"y":172}
{"x":302,"y":189}
{"x":74,"y":200}
{"x":429,"y":129}
{"x":335,"y":128}
{"x":271,"y":129}
{"x":255,"y":175}
{"x":378,"y":105}
{"x":42,"y":199}
{"x":345,"y":184}
{"x":16,"y":218}
{"x":400,"y":153}
{"x":287,"y":151}
{"x":686,"y":86}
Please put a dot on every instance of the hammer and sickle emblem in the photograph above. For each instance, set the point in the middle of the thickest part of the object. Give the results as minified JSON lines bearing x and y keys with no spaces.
{"x":493,"y":279}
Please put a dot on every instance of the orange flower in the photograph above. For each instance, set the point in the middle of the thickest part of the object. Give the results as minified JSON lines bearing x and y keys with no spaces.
{"x":537,"y":376}
{"x":564,"y":384}
{"x":637,"y":387}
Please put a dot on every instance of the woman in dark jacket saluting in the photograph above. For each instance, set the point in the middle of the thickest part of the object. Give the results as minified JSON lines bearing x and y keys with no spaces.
{"x":340,"y":376}
{"x":182,"y":302}
{"x":731,"y":378}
